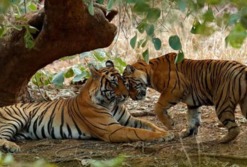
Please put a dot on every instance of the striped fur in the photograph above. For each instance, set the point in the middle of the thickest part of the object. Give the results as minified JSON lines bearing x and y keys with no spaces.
{"x":220,"y":83}
{"x":96,"y":112}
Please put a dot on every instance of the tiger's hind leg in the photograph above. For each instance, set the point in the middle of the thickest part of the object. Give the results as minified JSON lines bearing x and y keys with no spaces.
{"x":11,"y":122}
{"x":194,"y":121}
{"x":7,"y":132}
{"x":227,"y":117}
{"x":243,"y":106}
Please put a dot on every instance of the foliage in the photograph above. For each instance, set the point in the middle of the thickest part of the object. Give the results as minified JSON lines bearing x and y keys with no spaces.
{"x":11,"y":17}
{"x":8,"y":160}
{"x":41,"y":78}
{"x":209,"y":16}
{"x":149,"y":17}
{"x":115,"y":162}
{"x":77,"y":72}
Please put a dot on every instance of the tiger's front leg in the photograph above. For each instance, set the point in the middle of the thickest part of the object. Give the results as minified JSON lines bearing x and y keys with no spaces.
{"x":120,"y":133}
{"x":122,"y":115}
{"x":110,"y":130}
{"x":169,"y":97}
{"x":9,"y":146}
{"x":194,"y":121}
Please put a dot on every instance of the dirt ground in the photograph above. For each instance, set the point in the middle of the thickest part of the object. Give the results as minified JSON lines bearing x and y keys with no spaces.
{"x":201,"y":150}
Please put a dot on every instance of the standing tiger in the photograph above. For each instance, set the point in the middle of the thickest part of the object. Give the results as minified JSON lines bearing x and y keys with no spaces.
{"x":97,"y":112}
{"x":220,"y":83}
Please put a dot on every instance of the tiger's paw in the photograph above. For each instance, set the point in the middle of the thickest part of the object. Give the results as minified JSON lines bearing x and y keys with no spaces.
{"x":169,"y":136}
{"x":189,"y":132}
{"x":11,"y":147}
{"x":232,"y":134}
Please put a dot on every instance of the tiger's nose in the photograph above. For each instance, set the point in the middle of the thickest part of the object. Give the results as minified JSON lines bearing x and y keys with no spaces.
{"x":125,"y":96}
{"x":143,"y":93}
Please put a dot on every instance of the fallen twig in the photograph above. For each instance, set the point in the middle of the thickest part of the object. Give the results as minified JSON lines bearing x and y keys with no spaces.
{"x":220,"y":156}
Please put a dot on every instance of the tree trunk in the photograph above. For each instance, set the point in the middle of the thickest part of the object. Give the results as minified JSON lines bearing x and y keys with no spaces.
{"x":65,"y":28}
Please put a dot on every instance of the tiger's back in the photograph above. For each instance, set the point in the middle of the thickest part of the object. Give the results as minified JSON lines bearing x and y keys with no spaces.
{"x":53,"y":119}
{"x":205,"y":78}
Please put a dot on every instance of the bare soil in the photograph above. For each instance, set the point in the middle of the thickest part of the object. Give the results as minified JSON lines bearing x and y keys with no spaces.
{"x":201,"y":150}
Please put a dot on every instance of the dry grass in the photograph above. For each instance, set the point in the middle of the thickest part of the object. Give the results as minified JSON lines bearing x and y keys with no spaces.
{"x":194,"y":46}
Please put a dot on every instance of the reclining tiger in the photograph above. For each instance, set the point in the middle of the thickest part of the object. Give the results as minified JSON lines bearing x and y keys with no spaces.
{"x":220,"y":83}
{"x":96,"y":112}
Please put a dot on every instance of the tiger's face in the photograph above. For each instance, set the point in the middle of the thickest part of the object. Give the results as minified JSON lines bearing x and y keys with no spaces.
{"x":136,"y":82}
{"x":110,"y":87}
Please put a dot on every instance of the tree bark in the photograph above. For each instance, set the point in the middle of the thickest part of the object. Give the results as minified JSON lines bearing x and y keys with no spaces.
{"x":65,"y":28}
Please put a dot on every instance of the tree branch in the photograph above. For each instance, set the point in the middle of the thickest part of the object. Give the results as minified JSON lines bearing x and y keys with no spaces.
{"x":65,"y":28}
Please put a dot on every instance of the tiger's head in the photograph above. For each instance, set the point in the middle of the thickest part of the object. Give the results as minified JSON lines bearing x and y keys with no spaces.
{"x":107,"y":85}
{"x":136,"y":81}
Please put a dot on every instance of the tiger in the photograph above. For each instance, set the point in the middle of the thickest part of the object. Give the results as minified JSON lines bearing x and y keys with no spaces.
{"x":96,"y":112}
{"x":218,"y":83}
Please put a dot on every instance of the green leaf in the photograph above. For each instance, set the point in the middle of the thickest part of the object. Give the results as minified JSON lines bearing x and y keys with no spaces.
{"x":4,"y":6}
{"x":119,"y":61}
{"x":99,"y":56}
{"x":78,"y":71}
{"x":2,"y":30}
{"x":91,"y":8}
{"x":213,"y":2}
{"x":8,"y":159}
{"x":208,"y":16}
{"x":174,"y":42}
{"x":153,"y":15}
{"x":233,"y":19}
{"x":203,"y":29}
{"x":32,"y":7}
{"x":100,"y":1}
{"x":243,"y":21}
{"x":115,"y":162}
{"x":28,"y":39}
{"x":150,"y":29}
{"x":69,"y":73}
{"x":131,"y":1}
{"x":142,"y":27}
{"x":133,"y":41}
{"x":157,"y":43}
{"x":243,"y":18}
{"x":109,"y":5}
{"x":145,"y":55}
{"x":237,"y":36}
{"x":41,"y":78}
{"x":58,"y":79}
{"x":141,"y":7}
{"x":80,"y":77}
{"x":181,"y":5}
{"x":179,"y":57}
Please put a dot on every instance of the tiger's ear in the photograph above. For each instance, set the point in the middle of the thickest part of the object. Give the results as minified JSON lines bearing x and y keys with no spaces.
{"x":109,"y":63}
{"x":94,"y":72}
{"x":129,"y":70}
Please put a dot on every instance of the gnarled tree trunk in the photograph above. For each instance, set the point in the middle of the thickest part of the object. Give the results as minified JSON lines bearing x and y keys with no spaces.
{"x":65,"y":28}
